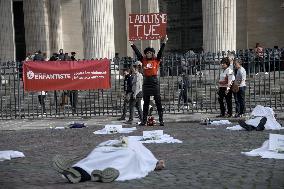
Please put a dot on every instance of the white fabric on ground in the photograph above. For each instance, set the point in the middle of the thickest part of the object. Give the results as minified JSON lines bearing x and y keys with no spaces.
{"x":261,"y":111}
{"x":104,"y":131}
{"x":220,"y":122}
{"x":235,"y":128}
{"x":264,"y":152}
{"x":258,"y":113}
{"x":133,"y":162}
{"x":9,"y":154}
{"x":165,"y":138}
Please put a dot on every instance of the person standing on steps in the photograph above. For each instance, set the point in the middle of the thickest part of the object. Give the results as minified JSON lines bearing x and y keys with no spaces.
{"x":151,"y":86}
{"x":127,"y":87}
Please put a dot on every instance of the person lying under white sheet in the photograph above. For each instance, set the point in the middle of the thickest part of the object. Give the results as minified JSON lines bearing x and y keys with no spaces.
{"x":111,"y":160}
{"x":261,"y":118}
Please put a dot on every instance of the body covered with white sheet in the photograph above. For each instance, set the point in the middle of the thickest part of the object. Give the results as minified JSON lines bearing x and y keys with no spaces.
{"x":258,"y":113}
{"x":132,"y":161}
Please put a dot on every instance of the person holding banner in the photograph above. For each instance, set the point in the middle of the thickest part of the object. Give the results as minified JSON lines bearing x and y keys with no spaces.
{"x":151,"y":86}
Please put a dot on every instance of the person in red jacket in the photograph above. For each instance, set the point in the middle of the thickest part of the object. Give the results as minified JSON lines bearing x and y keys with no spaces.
{"x":151,"y":86}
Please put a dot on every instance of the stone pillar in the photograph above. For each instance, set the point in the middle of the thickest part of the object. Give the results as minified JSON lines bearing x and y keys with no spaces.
{"x":153,"y":7}
{"x":36,"y":26}
{"x":146,"y":6}
{"x":55,"y":26}
{"x":7,"y":38}
{"x":98,"y":28}
{"x":219,"y":25}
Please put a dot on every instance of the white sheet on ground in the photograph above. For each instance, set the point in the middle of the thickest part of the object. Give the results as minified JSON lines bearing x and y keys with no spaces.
{"x":235,"y":128}
{"x":9,"y":154}
{"x":165,"y":138}
{"x":105,"y":131}
{"x":133,"y":162}
{"x":264,"y":152}
{"x":258,"y":113}
{"x":220,"y":122}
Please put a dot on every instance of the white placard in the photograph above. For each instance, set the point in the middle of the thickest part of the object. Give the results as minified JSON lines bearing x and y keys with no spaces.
{"x":155,"y":134}
{"x":113,"y":128}
{"x":276,"y":142}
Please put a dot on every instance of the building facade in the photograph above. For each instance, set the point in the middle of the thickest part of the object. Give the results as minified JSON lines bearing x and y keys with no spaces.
{"x":99,"y":28}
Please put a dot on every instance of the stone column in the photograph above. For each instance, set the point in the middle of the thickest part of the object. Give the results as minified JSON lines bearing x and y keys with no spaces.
{"x":98,"y":28}
{"x":7,"y":38}
{"x":153,"y":7}
{"x":219,"y":25}
{"x":55,"y":26}
{"x":36,"y":25}
{"x":143,"y":7}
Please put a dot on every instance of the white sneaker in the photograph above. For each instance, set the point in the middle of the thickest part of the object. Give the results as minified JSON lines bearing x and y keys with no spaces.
{"x":266,"y":73}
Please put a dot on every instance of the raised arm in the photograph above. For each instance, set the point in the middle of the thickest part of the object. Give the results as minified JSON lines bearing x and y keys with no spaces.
{"x":160,"y":53}
{"x":137,"y":52}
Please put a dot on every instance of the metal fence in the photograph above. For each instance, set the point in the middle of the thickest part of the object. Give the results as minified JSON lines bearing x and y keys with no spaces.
{"x":264,"y":87}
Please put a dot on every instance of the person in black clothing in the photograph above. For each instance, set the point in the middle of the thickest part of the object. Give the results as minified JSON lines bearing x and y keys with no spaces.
{"x":151,"y":86}
{"x":127,"y":87}
{"x":73,"y":54}
{"x":183,"y":86}
{"x":73,"y":93}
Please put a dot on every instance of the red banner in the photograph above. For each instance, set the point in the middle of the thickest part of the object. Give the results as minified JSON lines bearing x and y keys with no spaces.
{"x":66,"y":75}
{"x":147,"y":26}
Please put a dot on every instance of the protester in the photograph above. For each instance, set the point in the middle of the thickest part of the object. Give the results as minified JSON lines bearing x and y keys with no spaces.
{"x":136,"y":96}
{"x":38,"y":56}
{"x":151,"y":86}
{"x":73,"y":54}
{"x":183,"y":86}
{"x":261,"y":118}
{"x":225,"y":82}
{"x":41,"y":99}
{"x":239,"y":95}
{"x":111,"y":160}
{"x":259,"y":59}
{"x":61,"y":55}
{"x":127,"y":87}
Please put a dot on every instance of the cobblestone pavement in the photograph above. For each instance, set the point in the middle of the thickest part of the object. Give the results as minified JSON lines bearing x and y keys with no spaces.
{"x":209,"y":157}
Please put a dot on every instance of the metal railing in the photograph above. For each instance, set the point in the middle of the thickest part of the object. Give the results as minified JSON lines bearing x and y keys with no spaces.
{"x":264,"y":87}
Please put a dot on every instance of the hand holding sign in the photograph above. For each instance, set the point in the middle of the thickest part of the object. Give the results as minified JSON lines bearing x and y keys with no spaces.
{"x":165,"y":39}
{"x":147,"y":26}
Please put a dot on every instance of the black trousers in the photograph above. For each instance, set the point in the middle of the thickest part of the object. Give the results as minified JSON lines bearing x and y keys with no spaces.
{"x":158,"y":103}
{"x":135,"y":103}
{"x":41,"y":99}
{"x":240,"y":100}
{"x":73,"y":99}
{"x":228,"y":98}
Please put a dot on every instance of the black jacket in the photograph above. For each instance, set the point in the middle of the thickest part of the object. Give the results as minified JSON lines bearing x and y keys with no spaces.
{"x":127,"y":85}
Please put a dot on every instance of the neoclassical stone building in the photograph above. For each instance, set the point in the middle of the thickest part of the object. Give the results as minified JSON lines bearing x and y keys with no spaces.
{"x":99,"y":28}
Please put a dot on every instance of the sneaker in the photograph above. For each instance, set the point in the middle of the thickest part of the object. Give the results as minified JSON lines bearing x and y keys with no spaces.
{"x":63,"y":167}
{"x":106,"y":175}
{"x":162,"y":123}
{"x":121,"y":119}
{"x":266,"y":73}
